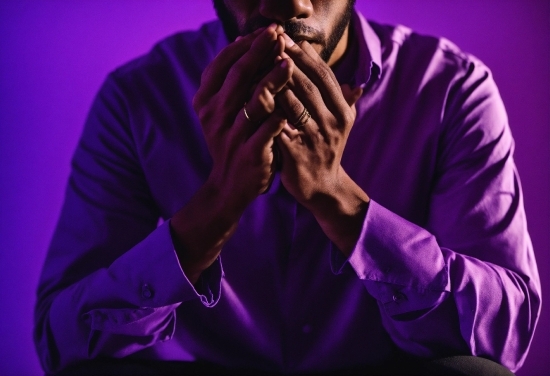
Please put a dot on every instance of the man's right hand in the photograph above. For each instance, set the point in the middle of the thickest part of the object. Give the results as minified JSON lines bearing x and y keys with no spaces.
{"x":241,"y":150}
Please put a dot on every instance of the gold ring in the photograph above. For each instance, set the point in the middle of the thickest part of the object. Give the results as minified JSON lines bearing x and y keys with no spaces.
{"x":303,"y":119}
{"x":246,"y":115}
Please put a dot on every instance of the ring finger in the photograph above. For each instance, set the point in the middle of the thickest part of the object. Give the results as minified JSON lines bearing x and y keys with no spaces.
{"x":298,"y":115}
{"x":262,"y":102}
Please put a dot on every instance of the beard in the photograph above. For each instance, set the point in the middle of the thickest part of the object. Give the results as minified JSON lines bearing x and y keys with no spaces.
{"x":297,"y":30}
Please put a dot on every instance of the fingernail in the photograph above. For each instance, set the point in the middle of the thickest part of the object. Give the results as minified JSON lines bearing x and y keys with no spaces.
{"x":273,"y":26}
{"x":239,"y":38}
{"x":288,"y":41}
{"x":284,"y":64}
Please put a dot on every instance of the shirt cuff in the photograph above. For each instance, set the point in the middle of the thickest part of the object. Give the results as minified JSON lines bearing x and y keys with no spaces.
{"x":151,"y":272}
{"x":400,"y":263}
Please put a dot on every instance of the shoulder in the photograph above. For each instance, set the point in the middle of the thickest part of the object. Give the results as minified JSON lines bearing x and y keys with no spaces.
{"x":432,"y":75}
{"x":158,"y":87}
{"x":432,"y":68}
{"x":179,"y":57}
{"x":405,"y":50}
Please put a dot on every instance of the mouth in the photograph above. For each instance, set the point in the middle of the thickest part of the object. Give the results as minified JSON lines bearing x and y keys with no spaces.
{"x":299,"y":31}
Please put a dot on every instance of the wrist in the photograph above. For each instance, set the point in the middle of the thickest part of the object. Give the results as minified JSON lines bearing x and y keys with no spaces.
{"x":202,"y":227}
{"x":340,"y":211}
{"x":228,"y":195}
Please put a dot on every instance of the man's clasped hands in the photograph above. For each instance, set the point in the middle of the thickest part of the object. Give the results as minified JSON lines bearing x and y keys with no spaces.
{"x":266,"y":103}
{"x":264,"y":92}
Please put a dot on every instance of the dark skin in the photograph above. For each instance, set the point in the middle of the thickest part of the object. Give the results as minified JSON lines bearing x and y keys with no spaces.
{"x":243,"y":152}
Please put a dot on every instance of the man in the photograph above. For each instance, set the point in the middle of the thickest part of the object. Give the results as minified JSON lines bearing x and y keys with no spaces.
{"x":355,"y":180}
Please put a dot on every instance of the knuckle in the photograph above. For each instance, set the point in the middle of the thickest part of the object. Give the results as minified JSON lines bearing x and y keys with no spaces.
{"x":346,"y":119}
{"x":204,"y":116}
{"x":300,"y":54}
{"x":223,"y":115}
{"x":206,"y":71}
{"x":240,"y":65}
{"x":308,"y":87}
{"x":331,"y":155}
{"x":266,"y":100}
{"x":197,"y":102}
{"x":238,"y":73}
{"x":323,"y":73}
{"x":296,"y":107}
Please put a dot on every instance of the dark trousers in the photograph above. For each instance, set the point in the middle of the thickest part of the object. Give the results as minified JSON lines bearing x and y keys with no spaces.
{"x":450,"y":366}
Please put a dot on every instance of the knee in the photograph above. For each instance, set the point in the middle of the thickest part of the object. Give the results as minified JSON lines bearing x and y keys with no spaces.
{"x":464,"y":366}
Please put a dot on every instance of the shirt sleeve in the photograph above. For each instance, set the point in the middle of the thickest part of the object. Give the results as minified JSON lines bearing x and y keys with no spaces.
{"x":111,"y":281}
{"x":467,"y":281}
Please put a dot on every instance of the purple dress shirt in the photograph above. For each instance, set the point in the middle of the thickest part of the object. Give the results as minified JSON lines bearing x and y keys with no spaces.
{"x":443,"y":265}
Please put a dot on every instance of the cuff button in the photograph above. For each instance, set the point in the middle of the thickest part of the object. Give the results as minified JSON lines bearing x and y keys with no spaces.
{"x":398,"y":297}
{"x":146,"y":292}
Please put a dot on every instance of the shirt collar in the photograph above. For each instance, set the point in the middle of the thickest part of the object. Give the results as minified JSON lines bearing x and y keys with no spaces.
{"x":361,"y":63}
{"x":369,"y":64}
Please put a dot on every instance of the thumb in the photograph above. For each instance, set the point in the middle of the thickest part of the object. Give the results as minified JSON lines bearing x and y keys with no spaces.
{"x":351,"y":95}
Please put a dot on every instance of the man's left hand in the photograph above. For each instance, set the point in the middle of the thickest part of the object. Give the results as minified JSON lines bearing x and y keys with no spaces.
{"x":312,"y":150}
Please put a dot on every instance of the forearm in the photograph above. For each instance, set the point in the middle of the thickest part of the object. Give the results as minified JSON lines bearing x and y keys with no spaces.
{"x":201,"y":228}
{"x":341,"y":212}
{"x":241,"y":152}
{"x":435,"y":301}
{"x":490,"y":312}
{"x":113,"y":311}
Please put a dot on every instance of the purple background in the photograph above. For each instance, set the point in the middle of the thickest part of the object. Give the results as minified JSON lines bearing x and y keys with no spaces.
{"x":54,"y":54}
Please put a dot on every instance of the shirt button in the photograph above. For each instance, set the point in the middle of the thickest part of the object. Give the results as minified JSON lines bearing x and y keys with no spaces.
{"x":146,"y":292}
{"x":398,"y":297}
